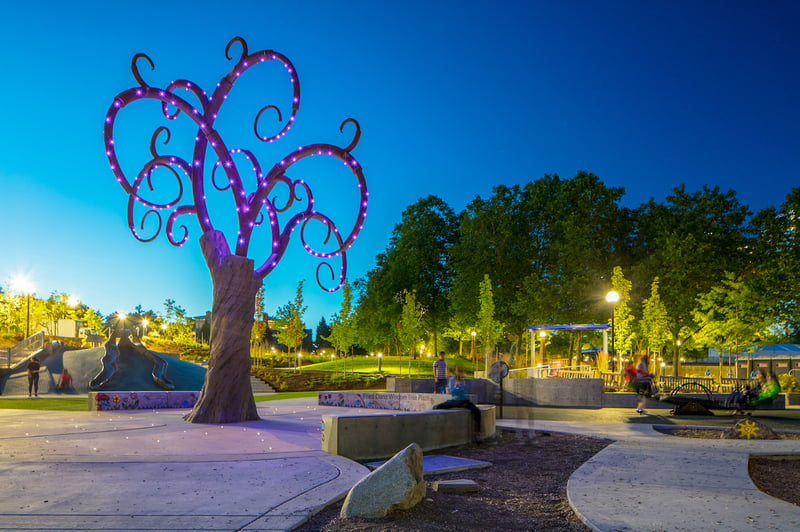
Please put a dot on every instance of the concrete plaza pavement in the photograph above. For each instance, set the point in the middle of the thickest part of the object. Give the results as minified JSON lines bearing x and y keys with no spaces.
{"x":150,"y":470}
{"x":650,"y":481}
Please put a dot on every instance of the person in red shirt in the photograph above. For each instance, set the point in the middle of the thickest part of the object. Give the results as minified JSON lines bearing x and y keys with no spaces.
{"x":65,"y":381}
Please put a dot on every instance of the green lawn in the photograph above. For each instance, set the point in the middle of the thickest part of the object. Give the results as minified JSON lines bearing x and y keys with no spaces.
{"x":71,"y":404}
{"x":80,"y":404}
{"x":422,"y":367}
{"x":285,"y":395}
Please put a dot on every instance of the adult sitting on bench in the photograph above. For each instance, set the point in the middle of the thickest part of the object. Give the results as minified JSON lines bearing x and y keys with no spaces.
{"x":769,"y":390}
{"x":458,"y":394}
{"x":763,"y":394}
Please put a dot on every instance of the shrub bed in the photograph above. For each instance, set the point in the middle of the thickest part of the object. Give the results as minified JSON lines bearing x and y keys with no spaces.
{"x":300,"y":381}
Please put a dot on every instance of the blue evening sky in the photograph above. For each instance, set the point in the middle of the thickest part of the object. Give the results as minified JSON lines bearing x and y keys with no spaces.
{"x":453,"y":97}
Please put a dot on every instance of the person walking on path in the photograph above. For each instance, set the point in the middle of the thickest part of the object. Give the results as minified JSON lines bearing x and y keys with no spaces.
{"x":643,"y":383}
{"x":33,"y":376}
{"x":440,"y":374}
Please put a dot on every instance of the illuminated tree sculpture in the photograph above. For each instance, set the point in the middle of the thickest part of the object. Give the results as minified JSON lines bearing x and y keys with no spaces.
{"x":226,"y":396}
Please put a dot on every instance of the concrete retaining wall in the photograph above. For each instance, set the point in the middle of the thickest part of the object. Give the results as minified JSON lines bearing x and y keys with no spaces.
{"x":587,"y":393}
{"x":141,"y":400}
{"x":405,"y":402}
{"x":377,"y":436}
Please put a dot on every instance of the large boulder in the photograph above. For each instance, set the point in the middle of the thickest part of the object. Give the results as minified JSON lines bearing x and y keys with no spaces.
{"x":749,"y":429}
{"x":396,"y":485}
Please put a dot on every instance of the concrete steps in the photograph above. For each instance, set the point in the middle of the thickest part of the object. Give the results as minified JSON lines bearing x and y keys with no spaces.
{"x":259,"y":386}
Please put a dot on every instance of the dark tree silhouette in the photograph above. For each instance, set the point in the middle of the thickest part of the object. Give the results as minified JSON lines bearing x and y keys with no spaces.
{"x":226,"y":396}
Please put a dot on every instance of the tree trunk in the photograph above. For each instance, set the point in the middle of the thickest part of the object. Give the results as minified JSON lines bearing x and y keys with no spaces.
{"x":226,"y":396}
{"x":675,"y":357}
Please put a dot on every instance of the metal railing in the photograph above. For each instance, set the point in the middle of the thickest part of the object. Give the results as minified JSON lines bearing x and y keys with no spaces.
{"x":612,"y":380}
{"x":575,"y":372}
{"x":564,"y":372}
{"x":24,"y":349}
{"x":529,"y":373}
{"x":667,"y":383}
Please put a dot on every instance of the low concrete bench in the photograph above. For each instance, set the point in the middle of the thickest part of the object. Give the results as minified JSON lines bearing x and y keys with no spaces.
{"x":376,"y":436}
{"x":141,"y":400}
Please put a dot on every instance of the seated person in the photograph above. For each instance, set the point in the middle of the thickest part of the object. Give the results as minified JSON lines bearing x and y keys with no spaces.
{"x":65,"y":381}
{"x":458,"y":394}
{"x":763,"y":392}
{"x":768,"y":391}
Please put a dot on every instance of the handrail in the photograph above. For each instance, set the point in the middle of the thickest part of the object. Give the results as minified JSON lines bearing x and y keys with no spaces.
{"x":24,"y":349}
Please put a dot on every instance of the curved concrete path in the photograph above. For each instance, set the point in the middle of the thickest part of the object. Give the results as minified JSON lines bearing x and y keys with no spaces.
{"x":648,"y":480}
{"x":154,"y":471}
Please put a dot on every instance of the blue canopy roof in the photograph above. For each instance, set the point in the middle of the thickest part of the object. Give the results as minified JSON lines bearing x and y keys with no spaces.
{"x":578,"y":327}
{"x":778,"y":350}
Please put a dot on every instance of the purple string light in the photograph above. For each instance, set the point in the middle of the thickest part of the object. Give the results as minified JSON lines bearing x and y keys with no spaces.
{"x":191,"y":169}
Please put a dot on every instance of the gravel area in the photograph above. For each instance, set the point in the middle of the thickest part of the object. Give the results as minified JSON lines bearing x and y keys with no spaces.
{"x":525,"y":489}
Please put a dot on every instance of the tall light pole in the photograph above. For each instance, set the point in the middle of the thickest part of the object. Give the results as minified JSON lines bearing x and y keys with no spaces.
{"x":24,"y":285}
{"x":612,"y":297}
{"x":472,"y":350}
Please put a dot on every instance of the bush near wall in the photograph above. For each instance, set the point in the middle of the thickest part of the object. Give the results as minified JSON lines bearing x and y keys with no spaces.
{"x":788,"y":383}
{"x":300,"y":381}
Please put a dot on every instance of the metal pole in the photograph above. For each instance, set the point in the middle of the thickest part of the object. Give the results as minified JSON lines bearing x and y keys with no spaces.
{"x":28,"y":320}
{"x":614,"y":338}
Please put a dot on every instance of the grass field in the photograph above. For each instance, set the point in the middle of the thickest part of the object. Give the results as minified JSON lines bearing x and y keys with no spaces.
{"x":422,"y":367}
{"x":80,"y":404}
{"x":71,"y":404}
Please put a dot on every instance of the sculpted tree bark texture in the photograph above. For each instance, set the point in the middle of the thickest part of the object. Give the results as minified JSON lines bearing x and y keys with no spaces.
{"x":226,"y":396}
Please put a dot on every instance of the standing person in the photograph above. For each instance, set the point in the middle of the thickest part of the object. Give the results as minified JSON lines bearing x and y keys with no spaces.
{"x":643,"y":383}
{"x":440,"y":374}
{"x":33,"y":376}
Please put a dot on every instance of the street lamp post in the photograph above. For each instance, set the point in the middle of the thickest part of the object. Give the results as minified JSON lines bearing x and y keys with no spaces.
{"x":28,"y":318}
{"x":612,"y":297}
{"x":24,"y":285}
{"x":472,"y":349}
{"x":380,"y":357}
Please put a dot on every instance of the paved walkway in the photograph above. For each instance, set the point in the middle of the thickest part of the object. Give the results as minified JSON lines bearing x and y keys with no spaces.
{"x":153,"y":471}
{"x":648,"y":480}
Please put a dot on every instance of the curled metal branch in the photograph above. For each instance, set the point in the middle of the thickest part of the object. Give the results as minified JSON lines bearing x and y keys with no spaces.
{"x":350,"y":147}
{"x":255,"y":122}
{"x":135,"y":68}
{"x":254,"y":208}
{"x":158,"y":130}
{"x":240,"y":41}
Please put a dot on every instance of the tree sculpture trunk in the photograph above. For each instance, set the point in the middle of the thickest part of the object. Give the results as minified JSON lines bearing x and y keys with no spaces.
{"x":227,"y":396}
